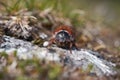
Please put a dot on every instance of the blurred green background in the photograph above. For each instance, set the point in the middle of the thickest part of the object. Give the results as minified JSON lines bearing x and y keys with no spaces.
{"x":108,"y":10}
{"x":105,"y":10}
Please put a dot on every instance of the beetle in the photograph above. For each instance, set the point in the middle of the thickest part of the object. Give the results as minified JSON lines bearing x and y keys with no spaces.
{"x":63,"y":37}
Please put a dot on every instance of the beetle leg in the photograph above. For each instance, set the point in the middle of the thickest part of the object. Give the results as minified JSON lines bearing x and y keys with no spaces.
{"x":71,"y":44}
{"x":76,"y":46}
{"x":52,"y":40}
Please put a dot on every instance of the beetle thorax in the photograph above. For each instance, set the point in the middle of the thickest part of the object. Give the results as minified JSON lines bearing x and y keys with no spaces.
{"x":63,"y":36}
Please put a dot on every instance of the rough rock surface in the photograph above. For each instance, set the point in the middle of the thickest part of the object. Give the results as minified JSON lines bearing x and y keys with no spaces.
{"x":79,"y":58}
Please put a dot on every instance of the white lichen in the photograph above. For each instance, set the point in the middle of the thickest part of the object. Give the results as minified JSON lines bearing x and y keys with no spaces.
{"x":79,"y":58}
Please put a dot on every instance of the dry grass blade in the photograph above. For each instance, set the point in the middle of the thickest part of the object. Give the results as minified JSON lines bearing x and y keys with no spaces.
{"x":19,"y":26}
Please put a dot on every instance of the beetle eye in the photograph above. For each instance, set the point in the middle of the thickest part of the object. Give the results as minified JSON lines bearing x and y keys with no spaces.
{"x":62,"y":36}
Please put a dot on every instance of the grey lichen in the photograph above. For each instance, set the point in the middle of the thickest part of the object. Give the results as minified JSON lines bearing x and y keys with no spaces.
{"x":79,"y":58}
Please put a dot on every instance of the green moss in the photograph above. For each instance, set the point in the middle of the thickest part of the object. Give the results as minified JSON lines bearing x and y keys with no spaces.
{"x":54,"y":72}
{"x":22,"y":77}
{"x":4,"y":54}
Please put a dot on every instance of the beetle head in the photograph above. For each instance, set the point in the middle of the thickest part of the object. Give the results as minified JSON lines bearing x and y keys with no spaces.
{"x":63,"y":36}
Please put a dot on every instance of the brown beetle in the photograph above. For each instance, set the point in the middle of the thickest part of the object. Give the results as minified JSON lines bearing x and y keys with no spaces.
{"x":63,"y":37}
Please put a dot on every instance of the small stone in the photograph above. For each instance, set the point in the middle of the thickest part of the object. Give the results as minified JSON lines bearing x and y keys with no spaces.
{"x":46,"y":43}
